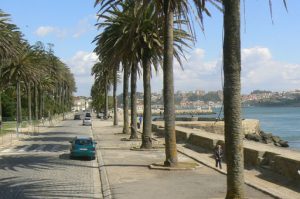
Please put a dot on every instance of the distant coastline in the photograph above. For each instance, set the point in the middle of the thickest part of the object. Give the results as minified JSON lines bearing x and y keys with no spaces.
{"x":273,"y":103}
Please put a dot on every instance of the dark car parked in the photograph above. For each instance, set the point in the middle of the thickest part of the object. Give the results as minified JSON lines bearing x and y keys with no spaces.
{"x":88,"y":114}
{"x":77,"y":117}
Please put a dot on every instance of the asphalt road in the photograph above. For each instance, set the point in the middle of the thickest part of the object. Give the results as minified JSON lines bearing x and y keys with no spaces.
{"x":39,"y":166}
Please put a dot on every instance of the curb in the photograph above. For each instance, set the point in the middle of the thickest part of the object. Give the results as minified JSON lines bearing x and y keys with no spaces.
{"x":105,"y":186}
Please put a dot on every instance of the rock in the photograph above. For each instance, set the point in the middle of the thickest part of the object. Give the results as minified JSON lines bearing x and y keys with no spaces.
{"x":277,"y":144}
{"x":283,"y":143}
{"x":253,"y":137}
{"x":266,"y":137}
{"x":276,"y":139}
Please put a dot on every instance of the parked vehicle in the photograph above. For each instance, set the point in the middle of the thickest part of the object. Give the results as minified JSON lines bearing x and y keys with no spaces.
{"x":100,"y":115}
{"x":88,"y":114}
{"x":87,"y":121}
{"x":83,"y":146}
{"x":77,"y":117}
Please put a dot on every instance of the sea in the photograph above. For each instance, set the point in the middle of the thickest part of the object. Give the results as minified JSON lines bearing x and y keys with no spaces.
{"x":281,"y":121}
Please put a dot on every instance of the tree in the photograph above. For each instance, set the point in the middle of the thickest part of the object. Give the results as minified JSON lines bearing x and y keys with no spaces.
{"x":103,"y":81}
{"x":232,"y":100}
{"x":125,"y":98}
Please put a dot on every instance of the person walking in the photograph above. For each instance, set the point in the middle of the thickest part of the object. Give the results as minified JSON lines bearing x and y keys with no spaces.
{"x":218,"y":155}
{"x":138,"y":122}
{"x":140,"y":119}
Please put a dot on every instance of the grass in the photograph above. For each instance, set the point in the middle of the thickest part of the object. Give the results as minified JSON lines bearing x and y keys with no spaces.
{"x":10,"y":126}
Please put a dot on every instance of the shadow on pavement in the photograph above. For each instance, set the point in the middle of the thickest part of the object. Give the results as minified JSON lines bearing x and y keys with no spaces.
{"x":25,"y":161}
{"x":50,"y":139}
{"x":15,"y":188}
{"x":278,"y":179}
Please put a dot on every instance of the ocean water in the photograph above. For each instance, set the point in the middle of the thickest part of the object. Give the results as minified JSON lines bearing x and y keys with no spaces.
{"x":280,"y":121}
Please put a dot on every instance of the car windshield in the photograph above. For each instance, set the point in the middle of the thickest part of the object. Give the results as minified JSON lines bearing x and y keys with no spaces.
{"x":87,"y":115}
{"x":83,"y":142}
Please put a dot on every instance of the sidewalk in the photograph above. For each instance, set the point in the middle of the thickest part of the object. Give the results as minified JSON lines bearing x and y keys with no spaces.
{"x":127,"y":174}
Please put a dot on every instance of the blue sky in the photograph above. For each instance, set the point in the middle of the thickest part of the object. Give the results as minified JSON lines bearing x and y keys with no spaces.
{"x":270,"y":52}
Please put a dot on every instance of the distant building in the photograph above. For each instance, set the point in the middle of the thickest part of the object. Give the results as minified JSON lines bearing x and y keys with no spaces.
{"x":81,"y":103}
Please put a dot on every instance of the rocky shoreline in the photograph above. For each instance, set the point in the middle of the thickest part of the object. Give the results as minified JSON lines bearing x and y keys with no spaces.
{"x":267,"y":138}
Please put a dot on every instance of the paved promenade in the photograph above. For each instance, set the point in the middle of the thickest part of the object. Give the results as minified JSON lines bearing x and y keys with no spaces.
{"x":125,"y":173}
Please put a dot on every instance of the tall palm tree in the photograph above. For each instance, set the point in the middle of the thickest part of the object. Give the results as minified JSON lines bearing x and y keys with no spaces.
{"x":103,"y":81}
{"x":232,"y":100}
{"x":125,"y":98}
{"x":142,"y":33}
{"x":10,"y":38}
{"x":115,"y":71}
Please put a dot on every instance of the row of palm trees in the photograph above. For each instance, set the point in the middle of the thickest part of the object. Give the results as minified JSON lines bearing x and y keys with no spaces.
{"x":142,"y":35}
{"x":35,"y":71}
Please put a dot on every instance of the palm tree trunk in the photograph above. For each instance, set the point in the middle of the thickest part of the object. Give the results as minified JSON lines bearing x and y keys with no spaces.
{"x":115,"y":96}
{"x":168,"y":86}
{"x":40,"y":102}
{"x":29,"y":103}
{"x":232,"y":100}
{"x":19,"y":107}
{"x":147,"y":115}
{"x":125,"y":100}
{"x":36,"y":109}
{"x":133,"y":128}
{"x":106,"y":99}
{"x":1,"y":109}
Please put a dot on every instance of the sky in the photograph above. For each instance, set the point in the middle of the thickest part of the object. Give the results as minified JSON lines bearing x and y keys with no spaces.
{"x":270,"y":45}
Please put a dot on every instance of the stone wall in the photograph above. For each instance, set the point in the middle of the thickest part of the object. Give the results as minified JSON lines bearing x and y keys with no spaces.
{"x":254,"y":156}
{"x":249,"y":126}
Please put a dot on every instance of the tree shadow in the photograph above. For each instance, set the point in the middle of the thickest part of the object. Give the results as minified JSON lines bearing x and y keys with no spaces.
{"x":50,"y":139}
{"x":14,"y":163}
{"x":278,"y":179}
{"x":16,"y":188}
{"x":56,"y":133}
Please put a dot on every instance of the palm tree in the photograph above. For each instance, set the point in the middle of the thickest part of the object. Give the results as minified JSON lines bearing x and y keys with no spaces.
{"x":125,"y":98}
{"x":232,"y":100}
{"x":103,"y":81}
{"x":115,"y":71}
{"x":141,"y":28}
{"x":10,"y":38}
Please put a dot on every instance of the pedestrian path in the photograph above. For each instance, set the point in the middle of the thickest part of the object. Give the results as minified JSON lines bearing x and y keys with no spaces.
{"x":129,"y":177}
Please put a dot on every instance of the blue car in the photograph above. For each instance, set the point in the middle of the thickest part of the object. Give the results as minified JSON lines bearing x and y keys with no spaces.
{"x":83,"y":146}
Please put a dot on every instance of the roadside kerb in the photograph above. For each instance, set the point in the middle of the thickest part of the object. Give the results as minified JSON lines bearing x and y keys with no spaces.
{"x":105,"y":186}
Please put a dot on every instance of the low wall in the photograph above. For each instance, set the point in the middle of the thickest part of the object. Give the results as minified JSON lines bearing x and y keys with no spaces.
{"x":249,"y":126}
{"x":253,"y":156}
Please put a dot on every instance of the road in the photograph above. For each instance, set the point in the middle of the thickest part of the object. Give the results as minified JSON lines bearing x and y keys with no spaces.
{"x":39,"y":166}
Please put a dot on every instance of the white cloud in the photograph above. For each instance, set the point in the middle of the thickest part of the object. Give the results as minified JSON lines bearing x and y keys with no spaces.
{"x":44,"y":30}
{"x":259,"y":71}
{"x":80,"y":65}
{"x":83,"y":26}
